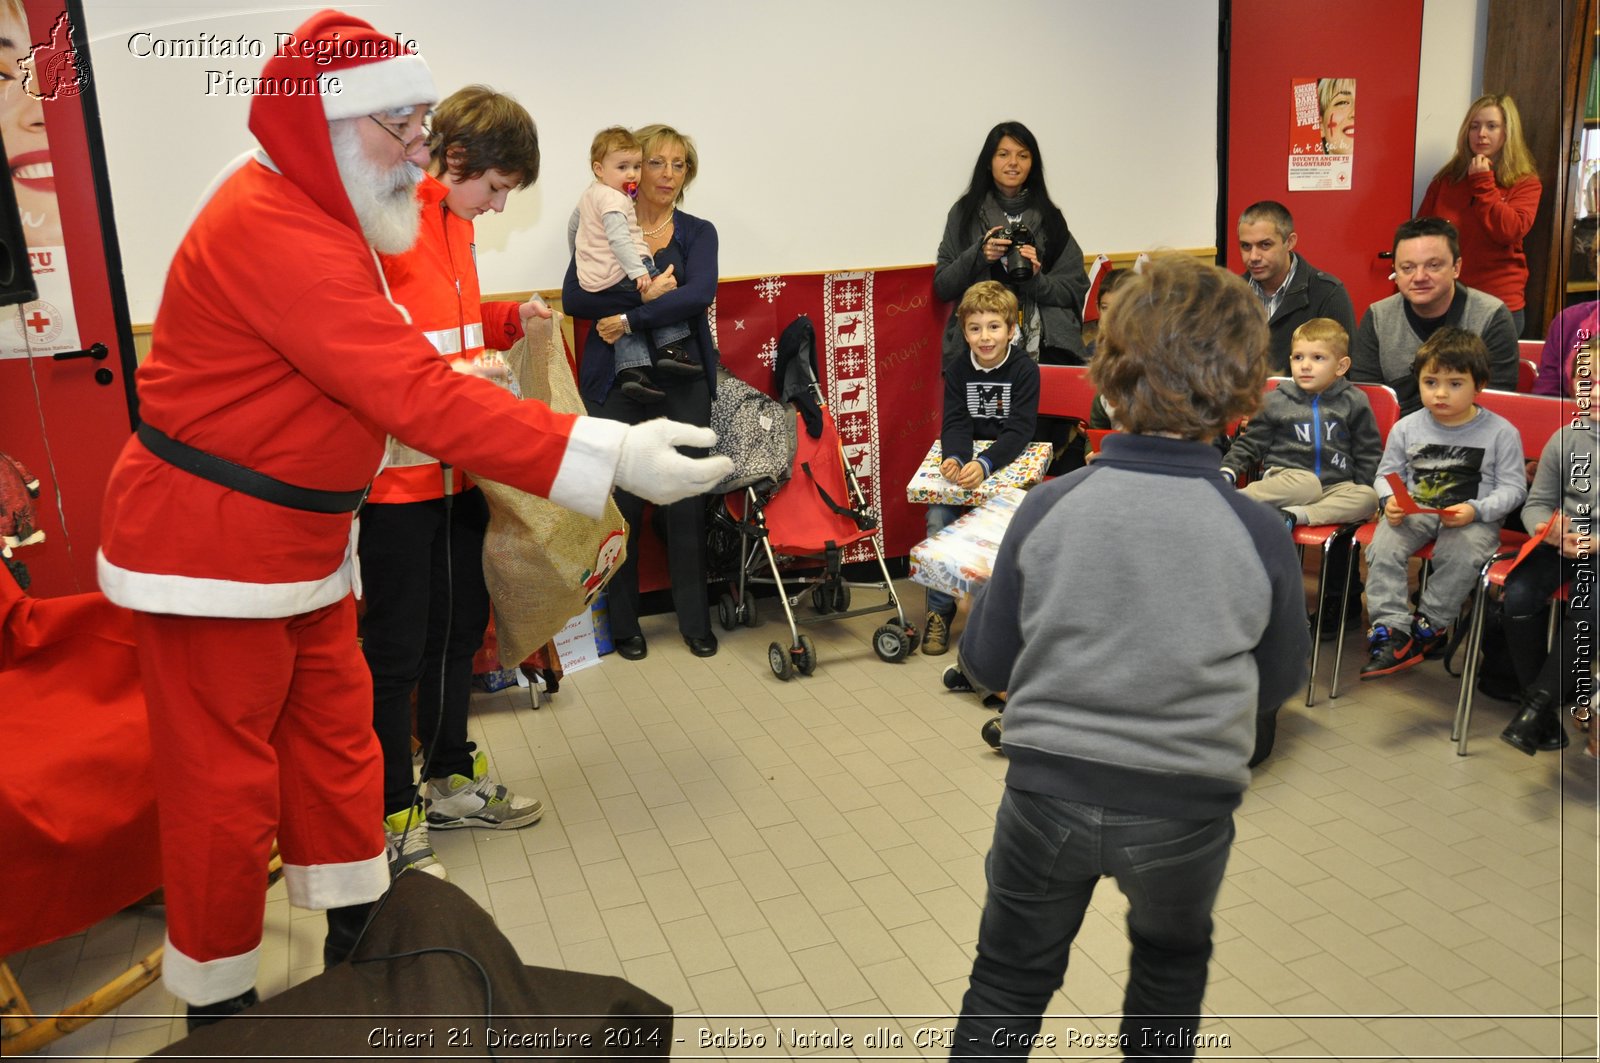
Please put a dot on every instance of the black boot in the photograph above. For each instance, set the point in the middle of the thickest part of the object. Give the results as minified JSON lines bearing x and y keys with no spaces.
{"x":344,"y":930}
{"x":1538,"y":726}
{"x":206,"y":1014}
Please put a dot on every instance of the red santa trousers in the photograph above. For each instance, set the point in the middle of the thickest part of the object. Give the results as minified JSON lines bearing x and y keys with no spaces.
{"x":259,"y":729}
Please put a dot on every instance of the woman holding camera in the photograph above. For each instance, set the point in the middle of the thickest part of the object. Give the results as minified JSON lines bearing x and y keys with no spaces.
{"x":1005,"y":228}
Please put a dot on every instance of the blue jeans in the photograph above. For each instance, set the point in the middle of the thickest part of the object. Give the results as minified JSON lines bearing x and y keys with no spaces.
{"x":1047,"y":857}
{"x":940,"y":517}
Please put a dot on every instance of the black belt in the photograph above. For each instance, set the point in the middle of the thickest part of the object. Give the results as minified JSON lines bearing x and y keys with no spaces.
{"x":247,"y":481}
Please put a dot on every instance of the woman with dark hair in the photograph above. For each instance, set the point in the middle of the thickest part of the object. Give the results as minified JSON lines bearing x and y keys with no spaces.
{"x":684,"y":247}
{"x":1045,"y":269}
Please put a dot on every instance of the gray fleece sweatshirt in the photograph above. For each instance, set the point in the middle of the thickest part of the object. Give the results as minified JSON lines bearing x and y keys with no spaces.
{"x":1141,"y":615}
{"x":1443,"y":465}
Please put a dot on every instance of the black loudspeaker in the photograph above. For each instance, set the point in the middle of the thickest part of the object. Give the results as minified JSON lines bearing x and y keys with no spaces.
{"x":16,"y":273}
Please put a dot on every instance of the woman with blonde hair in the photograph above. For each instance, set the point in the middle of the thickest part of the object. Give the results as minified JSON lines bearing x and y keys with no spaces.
{"x":1490,"y":191}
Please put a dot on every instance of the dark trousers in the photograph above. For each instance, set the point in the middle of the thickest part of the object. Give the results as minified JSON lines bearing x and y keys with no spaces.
{"x":688,"y":401}
{"x":1047,"y":857}
{"x":1562,"y":673}
{"x":415,"y":589}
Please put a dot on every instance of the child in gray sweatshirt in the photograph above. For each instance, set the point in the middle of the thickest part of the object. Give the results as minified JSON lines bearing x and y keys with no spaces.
{"x":1453,"y":456}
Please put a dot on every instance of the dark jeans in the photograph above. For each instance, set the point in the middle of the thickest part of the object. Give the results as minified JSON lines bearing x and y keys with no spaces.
{"x":1047,"y":857}
{"x":688,"y":401}
{"x":413,"y":588}
{"x":1562,"y":672}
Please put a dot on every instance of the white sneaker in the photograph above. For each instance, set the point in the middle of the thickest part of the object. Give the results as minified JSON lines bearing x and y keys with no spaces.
{"x":406,"y":837}
{"x":478,"y":802}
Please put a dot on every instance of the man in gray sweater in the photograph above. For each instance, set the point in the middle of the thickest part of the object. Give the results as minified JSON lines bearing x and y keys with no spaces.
{"x":1427,"y":261}
{"x":1131,"y":717}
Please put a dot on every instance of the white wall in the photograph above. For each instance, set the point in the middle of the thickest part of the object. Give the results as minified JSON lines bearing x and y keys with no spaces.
{"x":1450,"y":77}
{"x":834,"y":133}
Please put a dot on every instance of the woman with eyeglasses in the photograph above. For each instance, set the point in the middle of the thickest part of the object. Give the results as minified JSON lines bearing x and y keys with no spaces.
{"x":684,"y":248}
{"x":1490,"y":191}
{"x":423,"y":525}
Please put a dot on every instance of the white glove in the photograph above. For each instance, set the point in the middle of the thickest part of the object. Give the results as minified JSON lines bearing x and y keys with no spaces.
{"x":651,"y":468}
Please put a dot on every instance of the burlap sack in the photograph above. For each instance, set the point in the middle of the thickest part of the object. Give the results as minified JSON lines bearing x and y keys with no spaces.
{"x":543,"y":563}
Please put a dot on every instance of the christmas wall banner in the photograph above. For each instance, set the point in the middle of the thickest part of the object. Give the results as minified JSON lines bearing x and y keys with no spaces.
{"x":1322,"y":131}
{"x":878,"y":355}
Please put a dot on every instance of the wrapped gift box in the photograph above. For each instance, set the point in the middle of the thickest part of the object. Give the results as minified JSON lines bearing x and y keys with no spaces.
{"x":929,"y":486}
{"x":961,"y":556}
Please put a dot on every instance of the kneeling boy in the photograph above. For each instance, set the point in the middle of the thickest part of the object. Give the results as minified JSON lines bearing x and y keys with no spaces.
{"x":992,"y":394}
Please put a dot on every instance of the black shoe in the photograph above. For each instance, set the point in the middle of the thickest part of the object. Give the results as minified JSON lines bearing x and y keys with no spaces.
{"x":702,"y":647}
{"x":1538,"y":726}
{"x":677,"y":362}
{"x":1432,"y":640}
{"x":955,"y":679}
{"x":636,"y":385}
{"x":1331,"y":629}
{"x":1390,"y":652}
{"x":206,"y":1014}
{"x":632,"y":649}
{"x":992,"y":730}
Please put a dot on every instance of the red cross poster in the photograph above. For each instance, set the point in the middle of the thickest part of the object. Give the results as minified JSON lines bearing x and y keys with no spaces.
{"x":48,"y":324}
{"x":1322,"y":134}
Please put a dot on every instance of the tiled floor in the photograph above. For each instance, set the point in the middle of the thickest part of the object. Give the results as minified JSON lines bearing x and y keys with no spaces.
{"x":808,"y":856}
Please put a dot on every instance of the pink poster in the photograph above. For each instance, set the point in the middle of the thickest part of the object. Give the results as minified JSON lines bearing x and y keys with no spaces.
{"x":1322,"y":134}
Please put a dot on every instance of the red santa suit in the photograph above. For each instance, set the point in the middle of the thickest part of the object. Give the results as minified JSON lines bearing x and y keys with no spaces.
{"x":277,"y":349}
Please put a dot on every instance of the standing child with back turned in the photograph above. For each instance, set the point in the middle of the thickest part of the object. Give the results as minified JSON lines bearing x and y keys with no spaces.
{"x":1129,"y":730}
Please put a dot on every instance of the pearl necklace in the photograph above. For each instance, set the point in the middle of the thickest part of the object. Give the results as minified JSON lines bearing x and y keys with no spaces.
{"x":656,"y":231}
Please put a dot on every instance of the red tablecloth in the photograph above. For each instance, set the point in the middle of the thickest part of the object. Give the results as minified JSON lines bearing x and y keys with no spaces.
{"x":77,"y":796}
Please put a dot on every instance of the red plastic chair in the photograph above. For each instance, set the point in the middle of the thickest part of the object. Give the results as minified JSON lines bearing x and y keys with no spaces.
{"x":1527,"y":376}
{"x":1065,"y":391}
{"x":1385,"y":411}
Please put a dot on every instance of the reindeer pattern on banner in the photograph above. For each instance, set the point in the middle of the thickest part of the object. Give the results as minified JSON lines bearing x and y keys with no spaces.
{"x":878,"y":353}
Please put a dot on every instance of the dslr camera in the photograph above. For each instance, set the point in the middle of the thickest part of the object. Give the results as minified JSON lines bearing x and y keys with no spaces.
{"x":1016,"y":267}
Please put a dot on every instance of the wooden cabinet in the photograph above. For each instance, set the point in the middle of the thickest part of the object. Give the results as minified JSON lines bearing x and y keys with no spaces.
{"x":1542,"y":52}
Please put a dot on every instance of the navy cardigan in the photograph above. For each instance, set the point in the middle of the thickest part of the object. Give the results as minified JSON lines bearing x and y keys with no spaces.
{"x":697,"y":243}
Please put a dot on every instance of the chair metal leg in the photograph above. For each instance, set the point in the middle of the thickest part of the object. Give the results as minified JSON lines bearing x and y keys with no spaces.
{"x":1344,"y":610}
{"x":1316,"y":632}
{"x":1461,"y":726}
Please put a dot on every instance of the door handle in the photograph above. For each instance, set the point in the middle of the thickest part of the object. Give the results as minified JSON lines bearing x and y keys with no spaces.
{"x":98,"y":351}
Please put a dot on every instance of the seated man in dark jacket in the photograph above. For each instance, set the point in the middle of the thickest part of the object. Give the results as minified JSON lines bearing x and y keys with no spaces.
{"x":1292,"y":289}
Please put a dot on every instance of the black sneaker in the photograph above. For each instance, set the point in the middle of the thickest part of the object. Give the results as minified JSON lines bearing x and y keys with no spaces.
{"x":955,"y":679}
{"x":636,"y":385}
{"x":678,"y":362}
{"x":991,"y":731}
{"x":1391,"y":651}
{"x":1431,"y":640}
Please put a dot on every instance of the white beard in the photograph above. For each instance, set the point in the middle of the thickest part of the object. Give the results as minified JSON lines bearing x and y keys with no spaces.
{"x":385,"y":202}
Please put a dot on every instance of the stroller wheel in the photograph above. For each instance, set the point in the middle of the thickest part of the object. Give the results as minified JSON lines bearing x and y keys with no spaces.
{"x":747,"y":609}
{"x":805,"y":658}
{"x":778,"y":659}
{"x":821,"y":600}
{"x":891,"y":643}
{"x":726,"y":612}
{"x":839,"y":596}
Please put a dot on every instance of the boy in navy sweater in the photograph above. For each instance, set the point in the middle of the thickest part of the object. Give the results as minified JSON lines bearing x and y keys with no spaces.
{"x":991,"y":394}
{"x":1129,"y":730}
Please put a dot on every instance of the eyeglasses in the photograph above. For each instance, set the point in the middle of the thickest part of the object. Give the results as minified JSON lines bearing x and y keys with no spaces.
{"x":403,"y":117}
{"x":1433,"y":266}
{"x":678,"y":165}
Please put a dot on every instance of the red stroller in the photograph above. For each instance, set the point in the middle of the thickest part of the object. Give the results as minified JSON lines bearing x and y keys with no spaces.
{"x":812,"y":519}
